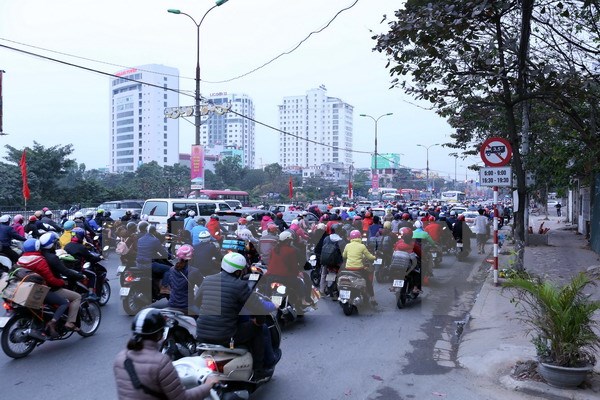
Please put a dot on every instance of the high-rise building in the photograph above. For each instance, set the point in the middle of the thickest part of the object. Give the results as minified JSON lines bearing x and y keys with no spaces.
{"x":315,"y":117}
{"x":231,"y":130}
{"x":139,"y":130}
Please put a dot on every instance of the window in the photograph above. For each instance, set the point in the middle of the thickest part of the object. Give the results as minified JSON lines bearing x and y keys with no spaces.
{"x":165,"y":159}
{"x":157,"y":208}
{"x":165,"y":152}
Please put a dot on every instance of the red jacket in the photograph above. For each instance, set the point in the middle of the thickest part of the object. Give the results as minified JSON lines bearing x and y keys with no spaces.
{"x":366,"y":222}
{"x":283,"y":261}
{"x":435,"y":231}
{"x":35,"y":262}
{"x":411,"y":247}
{"x":214,"y":228}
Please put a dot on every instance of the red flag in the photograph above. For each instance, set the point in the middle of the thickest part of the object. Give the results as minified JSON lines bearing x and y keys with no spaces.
{"x":291,"y":188}
{"x":350,"y":190}
{"x":23,"y":166}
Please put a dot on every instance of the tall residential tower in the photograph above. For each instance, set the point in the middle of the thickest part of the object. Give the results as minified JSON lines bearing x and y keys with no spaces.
{"x":318,"y":118}
{"x":139,"y":131}
{"x":231,"y":130}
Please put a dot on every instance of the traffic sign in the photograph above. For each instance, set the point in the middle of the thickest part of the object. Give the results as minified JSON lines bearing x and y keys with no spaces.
{"x":500,"y":176}
{"x":496,"y":152}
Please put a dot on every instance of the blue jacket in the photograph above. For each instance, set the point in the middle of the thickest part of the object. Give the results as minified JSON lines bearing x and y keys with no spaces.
{"x":149,"y":248}
{"x":189,"y":223}
{"x":178,"y":281}
{"x":195,"y":232}
{"x":7,"y":233}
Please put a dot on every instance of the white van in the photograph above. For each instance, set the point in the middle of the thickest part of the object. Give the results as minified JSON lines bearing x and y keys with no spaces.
{"x":158,"y":210}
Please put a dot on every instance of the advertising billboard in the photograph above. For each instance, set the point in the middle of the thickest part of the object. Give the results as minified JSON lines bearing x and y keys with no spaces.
{"x":197,"y":167}
{"x":386,"y":161}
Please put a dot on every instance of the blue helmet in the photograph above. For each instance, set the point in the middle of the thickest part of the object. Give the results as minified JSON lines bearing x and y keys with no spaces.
{"x":48,"y":239}
{"x":31,"y":245}
{"x":79,"y":234}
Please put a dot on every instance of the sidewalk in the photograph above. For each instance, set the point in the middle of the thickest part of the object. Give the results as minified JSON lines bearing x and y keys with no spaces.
{"x":494,"y":340}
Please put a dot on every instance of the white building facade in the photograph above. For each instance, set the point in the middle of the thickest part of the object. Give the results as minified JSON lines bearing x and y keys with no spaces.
{"x":231,"y":130}
{"x":139,"y":130}
{"x":315,"y":117}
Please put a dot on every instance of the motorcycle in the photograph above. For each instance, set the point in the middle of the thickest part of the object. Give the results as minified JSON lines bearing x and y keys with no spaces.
{"x":352,"y":291}
{"x":405,"y":277}
{"x":23,"y":329}
{"x":286,"y":311}
{"x":331,"y":287}
{"x":138,"y":288}
{"x":462,"y":251}
{"x":233,"y":366}
{"x":315,"y":272}
{"x":95,"y":271}
{"x":179,"y":337}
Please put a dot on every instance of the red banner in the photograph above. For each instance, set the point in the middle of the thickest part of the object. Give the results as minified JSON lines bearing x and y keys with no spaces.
{"x":23,"y":166}
{"x":291,"y":188}
{"x":197,"y":167}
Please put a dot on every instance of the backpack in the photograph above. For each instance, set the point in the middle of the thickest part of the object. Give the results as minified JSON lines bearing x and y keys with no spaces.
{"x":122,"y":248}
{"x":331,"y":253}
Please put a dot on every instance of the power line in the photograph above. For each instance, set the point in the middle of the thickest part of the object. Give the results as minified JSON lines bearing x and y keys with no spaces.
{"x":185,"y":77}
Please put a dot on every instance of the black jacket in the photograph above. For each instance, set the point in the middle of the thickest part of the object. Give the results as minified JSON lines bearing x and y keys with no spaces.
{"x":80,"y":252}
{"x":57,"y":266}
{"x":221,"y":299}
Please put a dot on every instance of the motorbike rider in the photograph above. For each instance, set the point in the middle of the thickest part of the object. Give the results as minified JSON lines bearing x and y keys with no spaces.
{"x":31,"y":227}
{"x":47,"y":219}
{"x":286,"y":265}
{"x":199,"y":227}
{"x":64,"y":217}
{"x":427,"y":245}
{"x":375,"y":227}
{"x":214,"y":228}
{"x":451,"y":219}
{"x":331,"y":254}
{"x":149,"y":249}
{"x":281,"y":224}
{"x":207,"y":257}
{"x":7,"y":234}
{"x":267,"y":242}
{"x":181,"y":281}
{"x":355,"y":254}
{"x":220,"y":298}
{"x":143,"y":372}
{"x":407,"y":244}
{"x":18,"y":224}
{"x":190,"y":222}
{"x":461,"y":232}
{"x":33,"y":260}
{"x":77,"y":249}
{"x":126,"y":217}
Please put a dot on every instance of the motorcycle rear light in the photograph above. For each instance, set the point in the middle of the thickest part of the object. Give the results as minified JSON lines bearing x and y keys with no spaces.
{"x":7,"y":306}
{"x":275,"y":285}
{"x":132,"y":278}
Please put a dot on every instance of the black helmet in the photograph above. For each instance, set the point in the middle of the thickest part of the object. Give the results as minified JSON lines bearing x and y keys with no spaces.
{"x":131,"y":227}
{"x":128,"y":212}
{"x":148,"y":321}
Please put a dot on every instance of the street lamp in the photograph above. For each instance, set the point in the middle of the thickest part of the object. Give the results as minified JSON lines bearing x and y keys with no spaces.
{"x":197,"y":94}
{"x":427,"y":148}
{"x":376,"y":120}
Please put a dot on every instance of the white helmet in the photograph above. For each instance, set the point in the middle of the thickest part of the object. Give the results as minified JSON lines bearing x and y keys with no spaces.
{"x":249,"y":218}
{"x":89,"y":213}
{"x":144,"y":217}
{"x":452,"y":212}
{"x":78,"y":214}
{"x":233,"y":262}
{"x":48,"y":213}
{"x":418,"y":224}
{"x":191,"y":213}
{"x":4,"y":219}
{"x":285,"y":235}
{"x":48,"y":239}
{"x":204,"y":236}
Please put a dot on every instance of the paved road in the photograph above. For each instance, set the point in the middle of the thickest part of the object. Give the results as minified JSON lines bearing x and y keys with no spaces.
{"x":381,"y":354}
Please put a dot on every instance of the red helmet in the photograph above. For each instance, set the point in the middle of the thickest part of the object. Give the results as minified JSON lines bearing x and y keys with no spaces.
{"x":355,"y":234}
{"x":461,"y":217}
{"x":406,"y":234}
{"x":431,"y":218}
{"x":405,"y":216}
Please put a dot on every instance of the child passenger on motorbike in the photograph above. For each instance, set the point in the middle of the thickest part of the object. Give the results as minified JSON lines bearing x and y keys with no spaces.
{"x":355,"y":254}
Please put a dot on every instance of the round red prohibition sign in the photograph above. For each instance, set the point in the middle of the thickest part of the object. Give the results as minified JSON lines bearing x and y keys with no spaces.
{"x":496,"y":152}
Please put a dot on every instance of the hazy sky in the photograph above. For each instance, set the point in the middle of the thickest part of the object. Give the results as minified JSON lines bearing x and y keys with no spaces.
{"x":59,"y":104}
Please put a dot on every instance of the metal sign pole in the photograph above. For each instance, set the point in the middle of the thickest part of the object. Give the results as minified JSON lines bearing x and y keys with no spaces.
{"x":496,"y":215}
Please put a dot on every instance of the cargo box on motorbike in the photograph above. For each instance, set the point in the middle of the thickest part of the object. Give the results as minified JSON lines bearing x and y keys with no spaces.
{"x":352,"y":280}
{"x":28,"y":294}
{"x":401,"y":262}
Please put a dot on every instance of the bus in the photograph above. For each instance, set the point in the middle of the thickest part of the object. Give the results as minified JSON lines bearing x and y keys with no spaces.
{"x":453,"y":196}
{"x":376,"y":194}
{"x":226,"y":194}
{"x":413,"y":195}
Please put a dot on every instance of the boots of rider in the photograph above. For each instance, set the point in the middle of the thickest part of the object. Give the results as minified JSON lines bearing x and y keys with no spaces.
{"x":74,"y":303}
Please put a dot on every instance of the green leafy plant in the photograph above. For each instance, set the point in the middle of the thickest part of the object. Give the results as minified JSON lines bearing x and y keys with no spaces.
{"x":560,"y":317}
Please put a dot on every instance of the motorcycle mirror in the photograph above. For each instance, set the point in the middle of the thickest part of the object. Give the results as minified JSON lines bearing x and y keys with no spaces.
{"x":105,"y":248}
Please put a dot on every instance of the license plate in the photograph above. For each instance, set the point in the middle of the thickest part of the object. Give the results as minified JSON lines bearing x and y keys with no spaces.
{"x":459,"y":245}
{"x":330,"y":277}
{"x":398,"y":283}
{"x":364,"y":239}
{"x":253,"y":277}
{"x":379,"y":261}
{"x":120,"y":269}
{"x":3,"y":321}
{"x":277,"y":300}
{"x":344,"y":294}
{"x":124,"y":291}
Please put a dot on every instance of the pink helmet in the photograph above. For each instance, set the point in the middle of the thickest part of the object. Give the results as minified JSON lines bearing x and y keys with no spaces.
{"x":18,"y":218}
{"x":355,"y":234}
{"x":185,"y":252}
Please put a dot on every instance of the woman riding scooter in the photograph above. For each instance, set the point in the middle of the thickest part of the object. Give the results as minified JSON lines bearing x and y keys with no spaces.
{"x":355,"y":254}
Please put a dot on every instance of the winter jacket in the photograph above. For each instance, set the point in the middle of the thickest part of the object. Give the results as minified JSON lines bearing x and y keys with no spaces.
{"x":264,"y":222}
{"x":435,"y":230}
{"x":265,"y":246}
{"x":195,"y":232}
{"x":156,"y":371}
{"x":221,"y":298}
{"x":34,"y":261}
{"x":281,"y":224}
{"x":149,"y":248}
{"x":19,"y":228}
{"x":373,"y":230}
{"x":180,"y":285}
{"x":81,"y":253}
{"x":57,"y":267}
{"x":214,"y":228}
{"x":7,"y":233}
{"x":331,"y":254}
{"x":354,"y":254}
{"x":189,"y":223}
{"x":366,"y":222}
{"x":284,"y":261}
{"x":424,"y":236}
{"x":204,"y":252}
{"x":50,"y":221}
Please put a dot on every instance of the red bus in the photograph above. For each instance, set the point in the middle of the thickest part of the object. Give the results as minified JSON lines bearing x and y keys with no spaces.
{"x":209,"y":194}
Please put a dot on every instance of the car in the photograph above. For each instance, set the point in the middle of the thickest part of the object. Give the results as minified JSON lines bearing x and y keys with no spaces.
{"x":380,"y":212}
{"x":234,"y":204}
{"x":229,"y":218}
{"x":470,"y":217}
{"x":311,"y":218}
{"x":282,"y":208}
{"x":459,"y":210}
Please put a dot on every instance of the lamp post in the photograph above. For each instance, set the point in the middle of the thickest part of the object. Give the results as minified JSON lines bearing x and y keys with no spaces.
{"x":376,"y":120}
{"x":427,"y":148}
{"x":197,"y":94}
{"x":455,"y":159}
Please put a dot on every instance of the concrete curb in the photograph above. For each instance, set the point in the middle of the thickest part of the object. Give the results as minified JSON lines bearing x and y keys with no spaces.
{"x":546,"y":391}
